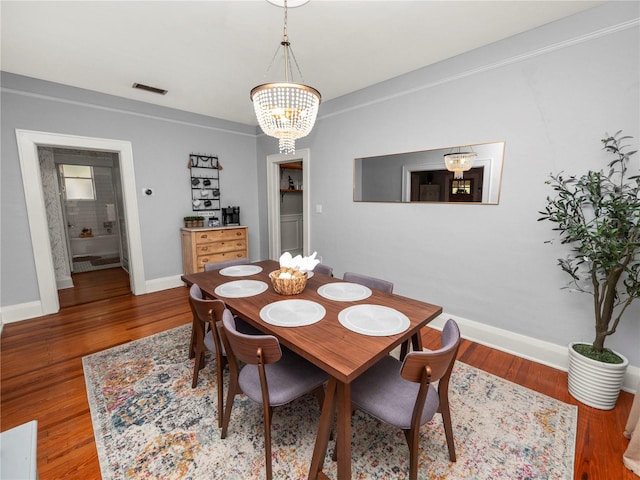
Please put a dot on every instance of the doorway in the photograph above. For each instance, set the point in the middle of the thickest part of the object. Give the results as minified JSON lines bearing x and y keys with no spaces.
{"x":83,"y":207}
{"x":442,"y":186}
{"x":277,"y":187}
{"x":28,"y":144}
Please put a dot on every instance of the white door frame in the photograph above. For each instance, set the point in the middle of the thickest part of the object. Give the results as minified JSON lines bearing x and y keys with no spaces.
{"x":28,"y":143}
{"x":273,"y":199}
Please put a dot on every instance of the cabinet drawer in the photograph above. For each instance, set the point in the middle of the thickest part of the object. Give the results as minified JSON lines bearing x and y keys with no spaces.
{"x":218,"y":257}
{"x":210,"y":236}
{"x":218,"y":247}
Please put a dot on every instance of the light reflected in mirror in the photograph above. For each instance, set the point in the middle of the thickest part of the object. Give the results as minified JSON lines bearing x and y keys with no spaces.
{"x":423,"y":177}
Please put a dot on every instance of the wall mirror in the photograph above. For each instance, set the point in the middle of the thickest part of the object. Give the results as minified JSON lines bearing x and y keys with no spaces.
{"x":423,"y":176}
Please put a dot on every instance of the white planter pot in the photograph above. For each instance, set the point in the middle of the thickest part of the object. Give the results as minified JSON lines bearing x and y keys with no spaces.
{"x":594,"y":383}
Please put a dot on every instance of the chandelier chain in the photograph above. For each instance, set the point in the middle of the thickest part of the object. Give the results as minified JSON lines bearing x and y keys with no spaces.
{"x":286,"y":110}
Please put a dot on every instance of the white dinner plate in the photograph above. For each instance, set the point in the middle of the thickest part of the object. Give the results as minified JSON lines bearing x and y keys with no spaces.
{"x":374,"y":320}
{"x":241,"y":288}
{"x":240,"y":270}
{"x":292,"y":313}
{"x":344,"y":291}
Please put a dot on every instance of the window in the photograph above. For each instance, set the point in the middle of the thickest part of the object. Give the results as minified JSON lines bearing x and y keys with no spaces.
{"x":459,"y":187}
{"x":78,"y":182}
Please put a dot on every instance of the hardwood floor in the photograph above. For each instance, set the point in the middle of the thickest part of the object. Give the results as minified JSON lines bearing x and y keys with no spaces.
{"x":42,"y":378}
{"x":95,"y":285}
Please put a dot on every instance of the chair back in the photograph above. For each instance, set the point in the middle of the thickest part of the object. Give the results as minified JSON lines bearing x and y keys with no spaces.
{"x":324,"y":269}
{"x":209,"y":267}
{"x":436,"y":364}
{"x":250,"y":349}
{"x":371,"y":282}
{"x":203,"y":309}
{"x":426,"y":367}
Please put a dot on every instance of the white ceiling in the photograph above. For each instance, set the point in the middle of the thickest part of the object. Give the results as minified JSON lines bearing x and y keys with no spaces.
{"x":209,"y":54}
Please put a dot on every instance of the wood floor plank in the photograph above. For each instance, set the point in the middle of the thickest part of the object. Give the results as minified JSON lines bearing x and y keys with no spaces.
{"x":42,"y":378}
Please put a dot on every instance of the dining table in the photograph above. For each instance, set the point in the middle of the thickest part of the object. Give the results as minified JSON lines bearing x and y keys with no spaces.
{"x":340,"y":327}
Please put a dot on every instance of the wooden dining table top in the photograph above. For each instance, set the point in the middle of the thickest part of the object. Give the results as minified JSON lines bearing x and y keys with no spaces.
{"x":342,"y":353}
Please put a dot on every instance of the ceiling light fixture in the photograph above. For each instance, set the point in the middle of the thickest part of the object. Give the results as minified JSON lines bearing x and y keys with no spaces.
{"x":459,"y":162}
{"x":286,"y":110}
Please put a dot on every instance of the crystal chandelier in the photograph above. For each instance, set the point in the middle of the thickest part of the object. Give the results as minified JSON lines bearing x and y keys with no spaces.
{"x":459,"y":162}
{"x":286,"y":110}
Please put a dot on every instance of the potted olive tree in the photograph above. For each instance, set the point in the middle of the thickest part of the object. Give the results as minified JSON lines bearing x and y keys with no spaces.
{"x":598,"y":215}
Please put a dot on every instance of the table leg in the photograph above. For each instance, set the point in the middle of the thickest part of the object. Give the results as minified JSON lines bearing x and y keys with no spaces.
{"x":192,"y":352}
{"x":416,"y":341}
{"x":324,"y":431}
{"x":343,"y":440}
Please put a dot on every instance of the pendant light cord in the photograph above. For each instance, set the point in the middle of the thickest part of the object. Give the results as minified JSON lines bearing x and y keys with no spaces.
{"x":288,"y":52}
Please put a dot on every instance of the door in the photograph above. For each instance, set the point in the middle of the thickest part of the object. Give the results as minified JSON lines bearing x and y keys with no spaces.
{"x":274,"y":198}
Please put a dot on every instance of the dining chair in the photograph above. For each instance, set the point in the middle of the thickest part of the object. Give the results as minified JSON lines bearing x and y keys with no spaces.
{"x":324,"y":269}
{"x":268,"y":376}
{"x":209,"y":267}
{"x":371,"y":282}
{"x":402,"y":394}
{"x":205,"y":336}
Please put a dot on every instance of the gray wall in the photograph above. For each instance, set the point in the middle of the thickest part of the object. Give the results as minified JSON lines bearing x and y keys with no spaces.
{"x":162,"y":140}
{"x":551,"y":94}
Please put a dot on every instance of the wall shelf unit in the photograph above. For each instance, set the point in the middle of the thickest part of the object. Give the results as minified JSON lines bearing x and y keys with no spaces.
{"x":205,"y":183}
{"x":292,"y":182}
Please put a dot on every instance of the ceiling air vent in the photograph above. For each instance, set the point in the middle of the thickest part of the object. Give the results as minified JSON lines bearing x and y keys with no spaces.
{"x":141,"y":86}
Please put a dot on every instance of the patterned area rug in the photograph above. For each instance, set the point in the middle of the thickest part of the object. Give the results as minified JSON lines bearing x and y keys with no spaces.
{"x":149,"y":423}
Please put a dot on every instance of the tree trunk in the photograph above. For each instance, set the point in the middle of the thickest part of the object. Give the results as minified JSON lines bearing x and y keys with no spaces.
{"x":605,"y":309}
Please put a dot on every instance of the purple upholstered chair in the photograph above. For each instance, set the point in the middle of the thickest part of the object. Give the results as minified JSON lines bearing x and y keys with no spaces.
{"x":208,"y":267}
{"x":402,"y":394}
{"x":324,"y":269}
{"x":371,"y":282}
{"x":268,"y":377}
{"x":205,"y":336}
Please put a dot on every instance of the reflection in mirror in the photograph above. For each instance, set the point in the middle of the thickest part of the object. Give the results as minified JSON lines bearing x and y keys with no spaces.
{"x":423,"y":177}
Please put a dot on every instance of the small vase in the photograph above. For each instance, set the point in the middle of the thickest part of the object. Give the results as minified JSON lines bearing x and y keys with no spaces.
{"x":596,"y":384}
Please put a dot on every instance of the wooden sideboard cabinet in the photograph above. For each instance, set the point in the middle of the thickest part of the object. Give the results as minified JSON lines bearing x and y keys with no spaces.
{"x":211,"y":245}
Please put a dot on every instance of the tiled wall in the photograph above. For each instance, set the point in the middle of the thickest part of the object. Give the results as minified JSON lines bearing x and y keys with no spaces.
{"x":93,"y":213}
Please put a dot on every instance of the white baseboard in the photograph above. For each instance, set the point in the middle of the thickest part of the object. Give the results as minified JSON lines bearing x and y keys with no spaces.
{"x":66,"y":282}
{"x":538,"y":351}
{"x":159,"y":284}
{"x":22,"y":311}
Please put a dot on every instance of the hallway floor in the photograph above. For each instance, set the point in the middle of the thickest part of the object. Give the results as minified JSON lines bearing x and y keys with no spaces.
{"x":95,"y":285}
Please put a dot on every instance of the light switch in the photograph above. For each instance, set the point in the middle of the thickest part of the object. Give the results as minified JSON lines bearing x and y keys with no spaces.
{"x":318,"y":208}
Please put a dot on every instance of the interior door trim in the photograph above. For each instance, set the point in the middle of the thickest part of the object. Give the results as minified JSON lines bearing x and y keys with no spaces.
{"x":273,"y":196}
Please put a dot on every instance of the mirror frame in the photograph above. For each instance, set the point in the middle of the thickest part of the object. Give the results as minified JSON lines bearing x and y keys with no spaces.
{"x":409,"y":162}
